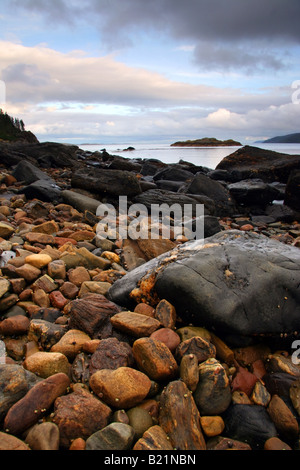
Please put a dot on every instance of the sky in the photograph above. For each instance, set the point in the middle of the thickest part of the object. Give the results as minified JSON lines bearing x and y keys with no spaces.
{"x":109,"y":71}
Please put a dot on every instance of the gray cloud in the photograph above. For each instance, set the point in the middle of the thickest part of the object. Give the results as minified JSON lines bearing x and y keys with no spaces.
{"x":228,"y":25}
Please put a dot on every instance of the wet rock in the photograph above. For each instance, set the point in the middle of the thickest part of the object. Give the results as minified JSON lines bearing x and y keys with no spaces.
{"x":57,"y":269}
{"x":120,"y":388}
{"x":80,"y":369}
{"x":155,"y":359}
{"x":15,"y":382}
{"x":212,"y":425}
{"x":46,"y":283}
{"x":57,"y":300}
{"x":111,"y":354}
{"x":279,"y":363}
{"x":41,"y":298}
{"x":145,"y":309}
{"x":89,"y":313}
{"x":189,"y":372}
{"x":154,"y":439}
{"x":44,"y":436}
{"x":94,"y":287}
{"x":78,"y":415}
{"x":274,"y":443}
{"x":264,"y":164}
{"x":243,"y":380}
{"x":279,"y":383}
{"x":225,"y":443}
{"x":28,"y":173}
{"x":140,"y":420}
{"x":29,"y":409}
{"x":71,"y":343}
{"x":45,"y":333}
{"x":78,"y":275}
{"x":292,"y":193}
{"x":44,"y":364}
{"x":260,"y":395}
{"x":249,"y":423}
{"x":213,"y":394}
{"x":180,"y":418}
{"x":82,"y":257}
{"x":167,"y":336}
{"x":4,"y":286}
{"x":253,"y":192}
{"x":9,"y":442}
{"x":6,"y":230}
{"x":196,"y":346}
{"x":69,"y":290}
{"x":16,"y":325}
{"x":28,"y":272}
{"x":115,"y":436}
{"x":231,"y":266}
{"x":38,"y":260}
{"x":284,"y":420}
{"x":166,"y":314}
{"x":135,"y":324}
{"x":113,"y":182}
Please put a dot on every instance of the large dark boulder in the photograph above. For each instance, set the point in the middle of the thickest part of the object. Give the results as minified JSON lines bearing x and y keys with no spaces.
{"x":104,"y":181}
{"x":292,"y":192}
{"x":161,"y":196}
{"x":239,"y":284}
{"x":205,"y":186}
{"x":253,"y":192}
{"x":254,"y":162}
{"x":29,"y":173}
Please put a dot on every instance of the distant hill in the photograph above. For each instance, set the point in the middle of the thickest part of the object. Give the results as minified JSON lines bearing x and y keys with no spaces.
{"x":284,"y":139}
{"x":13,"y":130}
{"x":207,"y":142}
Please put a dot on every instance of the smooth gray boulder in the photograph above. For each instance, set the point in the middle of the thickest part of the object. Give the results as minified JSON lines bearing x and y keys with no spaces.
{"x":238,"y":284}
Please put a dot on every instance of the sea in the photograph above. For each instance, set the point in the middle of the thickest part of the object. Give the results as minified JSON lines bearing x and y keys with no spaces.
{"x":208,"y":157}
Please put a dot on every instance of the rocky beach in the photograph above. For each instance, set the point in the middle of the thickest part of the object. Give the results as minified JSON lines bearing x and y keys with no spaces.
{"x":167,"y":344}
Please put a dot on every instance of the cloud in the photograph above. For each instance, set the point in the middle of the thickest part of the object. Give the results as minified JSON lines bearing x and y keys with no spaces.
{"x":39,"y":74}
{"x":236,"y":33}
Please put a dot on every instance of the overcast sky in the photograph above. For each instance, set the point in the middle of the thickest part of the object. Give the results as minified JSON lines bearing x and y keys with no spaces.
{"x":112,"y":71}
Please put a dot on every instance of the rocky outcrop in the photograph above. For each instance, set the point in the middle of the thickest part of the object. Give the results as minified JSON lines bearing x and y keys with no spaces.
{"x":253,"y":162}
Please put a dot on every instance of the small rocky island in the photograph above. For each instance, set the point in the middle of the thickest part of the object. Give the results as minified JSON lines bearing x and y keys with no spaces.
{"x":207,"y":142}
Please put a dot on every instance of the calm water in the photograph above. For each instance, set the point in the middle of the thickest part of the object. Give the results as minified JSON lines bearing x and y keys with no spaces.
{"x":204,"y":156}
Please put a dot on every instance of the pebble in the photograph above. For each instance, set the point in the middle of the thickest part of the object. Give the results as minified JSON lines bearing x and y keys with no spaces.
{"x":94,"y":287}
{"x":213,"y":394}
{"x":44,"y":436}
{"x":180,"y":418}
{"x":115,"y":436}
{"x":212,"y":425}
{"x":155,"y":359}
{"x":28,"y":410}
{"x":140,"y":420}
{"x":145,"y":309}
{"x":44,"y":364}
{"x":16,"y":325}
{"x":135,"y":324}
{"x":71,"y":343}
{"x":111,"y":354}
{"x":154,"y":438}
{"x":78,"y":415}
{"x":122,"y":388}
{"x":166,"y":314}
{"x":9,"y":442}
{"x":283,"y":418}
{"x":274,"y":443}
{"x":167,"y":336}
{"x":38,"y":260}
{"x":189,"y":372}
{"x":6,"y":230}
